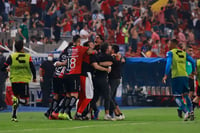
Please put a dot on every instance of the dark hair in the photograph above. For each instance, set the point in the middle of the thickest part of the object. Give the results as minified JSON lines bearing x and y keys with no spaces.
{"x":174,"y":41}
{"x":19,"y":45}
{"x":24,"y":20}
{"x":166,"y":41}
{"x":115,"y":48}
{"x":100,"y":36}
{"x":104,"y":47}
{"x":86,"y":44}
{"x":76,"y":37}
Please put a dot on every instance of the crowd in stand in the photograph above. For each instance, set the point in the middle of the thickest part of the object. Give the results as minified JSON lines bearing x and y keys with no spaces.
{"x":136,"y":28}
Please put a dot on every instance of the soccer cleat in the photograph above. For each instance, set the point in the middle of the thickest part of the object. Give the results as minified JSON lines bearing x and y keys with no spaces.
{"x":60,"y":116}
{"x":50,"y":117}
{"x":55,"y":115}
{"x":47,"y":114}
{"x":191,"y":116}
{"x":180,"y":113}
{"x":186,"y":117}
{"x":15,"y":102}
{"x":78,"y":117}
{"x":14,"y":119}
{"x":69,"y":115}
{"x":107,"y":117}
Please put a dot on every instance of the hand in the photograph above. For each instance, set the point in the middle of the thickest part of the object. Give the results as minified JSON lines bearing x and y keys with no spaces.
{"x":164,"y":79}
{"x":64,"y":63}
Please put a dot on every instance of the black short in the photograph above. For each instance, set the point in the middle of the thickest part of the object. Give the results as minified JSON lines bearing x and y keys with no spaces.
{"x":191,"y":84}
{"x":58,"y":86}
{"x":21,"y":89}
{"x":198,"y":91}
{"x":72,"y":84}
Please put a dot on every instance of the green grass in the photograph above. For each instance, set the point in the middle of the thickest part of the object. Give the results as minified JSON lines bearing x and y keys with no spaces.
{"x":149,"y":120}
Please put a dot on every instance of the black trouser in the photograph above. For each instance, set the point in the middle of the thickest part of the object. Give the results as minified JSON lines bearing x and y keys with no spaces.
{"x":46,"y":88}
{"x":114,"y":83}
{"x":101,"y":88}
{"x":2,"y":101}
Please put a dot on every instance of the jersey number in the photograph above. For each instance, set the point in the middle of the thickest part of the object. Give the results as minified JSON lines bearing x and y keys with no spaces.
{"x":20,"y":60}
{"x":71,"y":63}
{"x":179,"y":53}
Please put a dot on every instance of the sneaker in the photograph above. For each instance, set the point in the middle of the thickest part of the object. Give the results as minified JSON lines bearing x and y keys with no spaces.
{"x":191,"y":116}
{"x":108,"y":118}
{"x":180,"y":113}
{"x":96,"y":115}
{"x":123,"y":116}
{"x":15,"y":102}
{"x":186,"y":117}
{"x":55,"y":115}
{"x":118,"y":117}
{"x":14,"y":119}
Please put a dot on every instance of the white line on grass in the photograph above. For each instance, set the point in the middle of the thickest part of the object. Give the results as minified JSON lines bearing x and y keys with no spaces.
{"x":69,"y":128}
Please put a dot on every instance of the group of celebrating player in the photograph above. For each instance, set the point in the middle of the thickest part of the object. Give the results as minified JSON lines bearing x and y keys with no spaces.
{"x":85,"y":73}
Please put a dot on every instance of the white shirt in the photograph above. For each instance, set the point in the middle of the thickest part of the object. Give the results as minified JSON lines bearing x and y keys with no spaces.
{"x":83,"y":32}
{"x":33,"y":2}
{"x":7,"y":7}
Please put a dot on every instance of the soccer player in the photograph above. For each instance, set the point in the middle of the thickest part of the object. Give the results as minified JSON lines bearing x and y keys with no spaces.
{"x":176,"y":61}
{"x":74,"y":55}
{"x":189,"y":51}
{"x":21,"y":67}
{"x":58,"y":88}
{"x":197,"y":98}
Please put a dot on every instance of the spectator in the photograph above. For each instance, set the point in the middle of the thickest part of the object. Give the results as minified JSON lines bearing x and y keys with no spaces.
{"x":57,"y":29}
{"x":85,"y":34}
{"x":33,"y":6}
{"x":76,"y":30}
{"x":134,"y":38}
{"x":23,"y":31}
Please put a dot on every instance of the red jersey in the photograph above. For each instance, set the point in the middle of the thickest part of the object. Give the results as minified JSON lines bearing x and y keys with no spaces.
{"x":120,"y":39}
{"x":106,"y":8}
{"x":74,"y":56}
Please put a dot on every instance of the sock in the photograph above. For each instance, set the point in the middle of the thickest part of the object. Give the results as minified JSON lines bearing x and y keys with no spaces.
{"x":53,"y":106}
{"x":15,"y":106}
{"x":14,"y":113}
{"x":67,"y":100}
{"x":189,"y":103}
{"x":71,"y":104}
{"x":60,"y":105}
{"x":180,"y":103}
